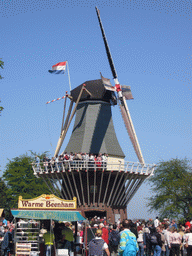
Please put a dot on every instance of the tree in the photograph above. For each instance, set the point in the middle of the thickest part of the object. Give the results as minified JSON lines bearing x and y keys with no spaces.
{"x":1,"y":66}
{"x":3,"y":193}
{"x":171,"y":188}
{"x":1,"y":108}
{"x":21,"y":181}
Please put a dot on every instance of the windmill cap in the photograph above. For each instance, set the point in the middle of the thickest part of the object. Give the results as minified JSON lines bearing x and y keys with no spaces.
{"x":97,"y":90}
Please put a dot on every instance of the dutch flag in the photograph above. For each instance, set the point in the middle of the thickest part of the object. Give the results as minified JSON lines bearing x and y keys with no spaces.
{"x":58,"y":68}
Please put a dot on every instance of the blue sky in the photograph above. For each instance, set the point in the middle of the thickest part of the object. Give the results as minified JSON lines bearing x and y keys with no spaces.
{"x":150,"y":43}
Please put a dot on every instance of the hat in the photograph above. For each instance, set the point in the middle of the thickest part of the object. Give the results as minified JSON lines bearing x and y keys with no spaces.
{"x":99,"y":231}
{"x":95,"y":225}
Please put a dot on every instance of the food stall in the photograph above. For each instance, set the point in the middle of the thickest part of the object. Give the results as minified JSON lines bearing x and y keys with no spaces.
{"x":33,"y":214}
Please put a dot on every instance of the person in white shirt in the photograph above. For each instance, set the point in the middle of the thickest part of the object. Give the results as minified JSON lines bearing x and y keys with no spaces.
{"x":166,"y":234}
{"x":188,"y":240}
{"x":156,"y":222}
{"x":140,"y":242}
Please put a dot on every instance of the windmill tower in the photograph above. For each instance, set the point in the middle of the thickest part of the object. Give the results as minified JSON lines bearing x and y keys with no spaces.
{"x":102,"y":189}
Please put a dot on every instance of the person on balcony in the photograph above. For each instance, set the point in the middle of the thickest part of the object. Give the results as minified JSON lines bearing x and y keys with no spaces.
{"x":37,"y":162}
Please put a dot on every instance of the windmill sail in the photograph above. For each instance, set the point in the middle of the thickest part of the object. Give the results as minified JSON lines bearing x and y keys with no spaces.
{"x":124,"y":93}
{"x":112,"y":66}
{"x":130,"y":128}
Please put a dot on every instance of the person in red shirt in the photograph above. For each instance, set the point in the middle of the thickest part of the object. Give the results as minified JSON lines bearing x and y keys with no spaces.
{"x":105,"y":233}
{"x":188,"y":224}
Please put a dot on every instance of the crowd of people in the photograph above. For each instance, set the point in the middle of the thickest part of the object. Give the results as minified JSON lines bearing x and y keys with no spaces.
{"x":127,"y":237}
{"x":6,"y":236}
{"x":151,"y":238}
{"x":82,"y":159}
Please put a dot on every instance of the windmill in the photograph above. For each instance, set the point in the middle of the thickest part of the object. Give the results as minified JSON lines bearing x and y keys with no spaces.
{"x":104,"y":189}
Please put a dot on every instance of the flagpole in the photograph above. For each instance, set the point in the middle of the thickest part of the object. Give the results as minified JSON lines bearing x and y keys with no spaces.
{"x":68,"y":75}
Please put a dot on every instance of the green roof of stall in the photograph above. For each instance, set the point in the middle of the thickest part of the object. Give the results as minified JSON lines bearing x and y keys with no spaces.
{"x":48,"y":215}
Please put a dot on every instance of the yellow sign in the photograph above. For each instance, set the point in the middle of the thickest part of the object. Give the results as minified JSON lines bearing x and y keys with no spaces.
{"x":48,"y":202}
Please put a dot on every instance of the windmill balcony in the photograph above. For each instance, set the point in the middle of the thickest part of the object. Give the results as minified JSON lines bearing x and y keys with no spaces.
{"x":106,"y":186}
{"x":84,"y":166}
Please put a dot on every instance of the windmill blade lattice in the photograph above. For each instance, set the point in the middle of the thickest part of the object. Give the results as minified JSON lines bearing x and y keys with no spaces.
{"x":130,"y":128}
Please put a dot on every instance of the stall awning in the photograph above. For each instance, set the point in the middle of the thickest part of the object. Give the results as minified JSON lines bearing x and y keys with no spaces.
{"x":48,"y":215}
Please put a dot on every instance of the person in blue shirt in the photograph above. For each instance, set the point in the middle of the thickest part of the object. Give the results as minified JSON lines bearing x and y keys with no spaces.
{"x":125,"y":236}
{"x":173,"y":224}
{"x":4,"y":222}
{"x":37,"y":161}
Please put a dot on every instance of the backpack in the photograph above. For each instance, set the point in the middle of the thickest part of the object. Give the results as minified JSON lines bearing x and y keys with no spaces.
{"x":131,"y":248}
{"x":114,"y":238}
{"x":153,"y":239}
{"x":147,"y":235}
{"x":96,"y":247}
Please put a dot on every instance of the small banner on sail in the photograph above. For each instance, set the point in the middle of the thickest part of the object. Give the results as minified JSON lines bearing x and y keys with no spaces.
{"x":126,"y":91}
{"x":47,"y":202}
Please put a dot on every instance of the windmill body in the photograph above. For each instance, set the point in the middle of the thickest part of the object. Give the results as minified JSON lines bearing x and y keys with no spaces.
{"x":93,"y":130}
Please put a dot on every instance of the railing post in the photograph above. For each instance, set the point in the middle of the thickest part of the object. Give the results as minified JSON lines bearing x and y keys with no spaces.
{"x":57,"y":167}
{"x":63,"y":167}
{"x":46,"y":169}
{"x":34,"y":171}
{"x":143,"y":165}
{"x":69,"y":166}
{"x":137,"y":168}
{"x":40,"y":169}
{"x":52,"y":170}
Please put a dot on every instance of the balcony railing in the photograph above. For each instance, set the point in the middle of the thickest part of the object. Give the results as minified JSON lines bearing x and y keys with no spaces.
{"x":119,"y":166}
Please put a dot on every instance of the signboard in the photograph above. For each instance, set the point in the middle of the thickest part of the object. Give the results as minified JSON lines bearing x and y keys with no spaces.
{"x":48,"y":202}
{"x":62,"y":252}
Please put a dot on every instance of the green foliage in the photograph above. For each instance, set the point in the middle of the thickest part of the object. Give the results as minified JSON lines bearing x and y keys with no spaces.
{"x":171,"y":188}
{"x":1,"y":108}
{"x":21,"y":181}
{"x":3,"y":193}
{"x":1,"y":66}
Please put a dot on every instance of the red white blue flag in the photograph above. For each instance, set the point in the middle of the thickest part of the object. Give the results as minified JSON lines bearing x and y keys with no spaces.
{"x":58,"y":68}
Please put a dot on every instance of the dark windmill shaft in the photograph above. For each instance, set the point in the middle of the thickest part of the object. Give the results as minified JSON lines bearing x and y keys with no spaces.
{"x":103,"y":189}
